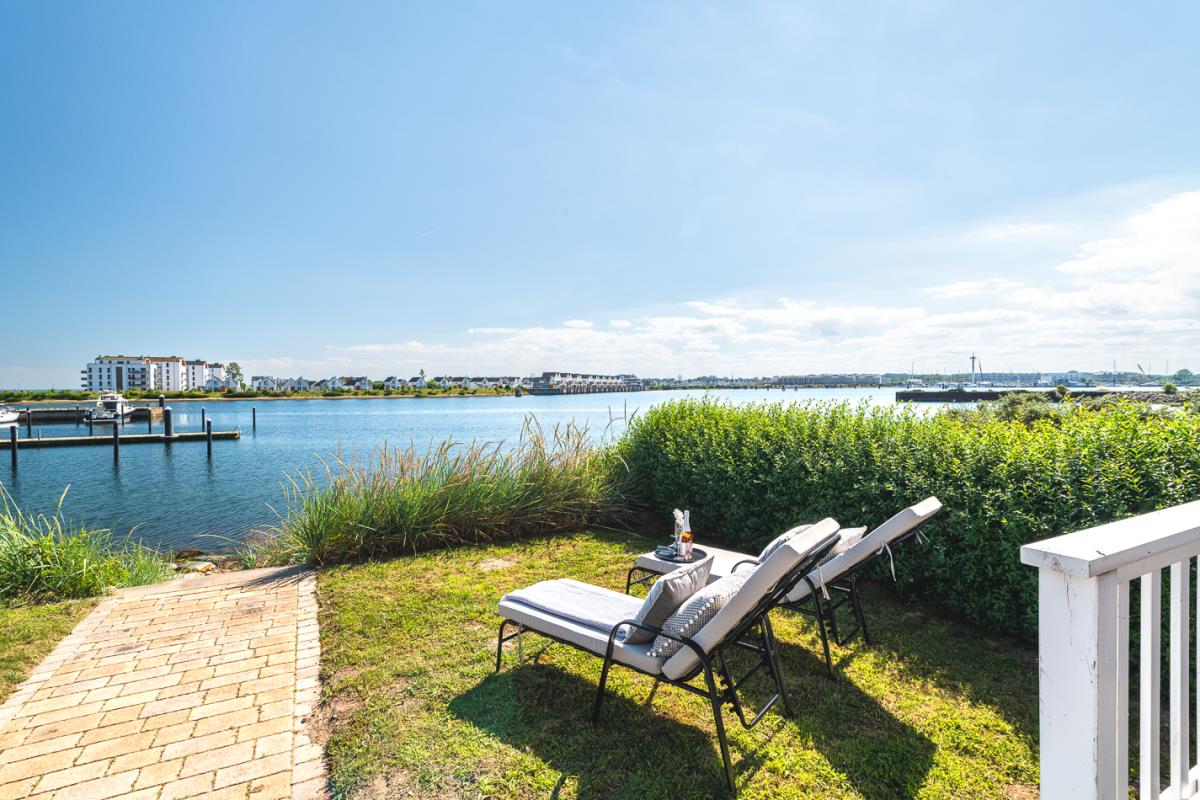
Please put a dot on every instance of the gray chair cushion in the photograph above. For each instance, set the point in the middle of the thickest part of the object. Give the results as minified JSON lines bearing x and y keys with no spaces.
{"x":775,"y":543}
{"x":588,"y":637}
{"x":868,"y":546}
{"x":666,"y":596}
{"x":697,"y":611}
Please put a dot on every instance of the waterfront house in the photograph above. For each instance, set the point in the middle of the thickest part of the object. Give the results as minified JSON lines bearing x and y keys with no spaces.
{"x":294,"y":384}
{"x":359,"y":382}
{"x":482,"y":383}
{"x":393,"y":382}
{"x":418,"y":382}
{"x":264,"y":383}
{"x":221,"y":385}
{"x":330,"y":384}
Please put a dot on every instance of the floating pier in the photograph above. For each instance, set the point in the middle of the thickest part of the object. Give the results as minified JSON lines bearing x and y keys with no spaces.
{"x":126,"y":438}
{"x":79,"y":414}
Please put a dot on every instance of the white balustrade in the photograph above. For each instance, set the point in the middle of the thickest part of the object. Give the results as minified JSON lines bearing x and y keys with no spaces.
{"x":1083,"y":642}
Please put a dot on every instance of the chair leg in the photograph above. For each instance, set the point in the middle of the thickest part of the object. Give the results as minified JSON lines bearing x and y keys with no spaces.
{"x":820,"y":615}
{"x":773,"y":663}
{"x":500,"y":644}
{"x":856,"y":601}
{"x":600,"y":691}
{"x":715,"y":697}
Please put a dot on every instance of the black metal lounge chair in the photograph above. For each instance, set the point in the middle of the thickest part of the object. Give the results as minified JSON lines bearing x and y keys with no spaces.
{"x":835,"y":582}
{"x":742,"y":623}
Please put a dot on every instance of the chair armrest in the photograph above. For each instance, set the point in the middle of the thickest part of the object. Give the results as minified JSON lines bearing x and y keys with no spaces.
{"x":754,"y":561}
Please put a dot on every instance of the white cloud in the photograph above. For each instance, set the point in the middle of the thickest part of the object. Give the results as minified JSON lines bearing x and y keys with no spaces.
{"x":1132,"y":293}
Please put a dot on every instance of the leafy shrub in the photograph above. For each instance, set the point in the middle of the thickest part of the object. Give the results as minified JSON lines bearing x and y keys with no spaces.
{"x":41,"y":558}
{"x":1170,"y":388}
{"x":403,"y":501}
{"x":1025,"y":407}
{"x":749,"y":472}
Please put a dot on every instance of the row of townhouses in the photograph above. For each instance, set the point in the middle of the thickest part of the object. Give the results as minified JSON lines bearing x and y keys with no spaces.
{"x":155,"y":374}
{"x":269,"y":383}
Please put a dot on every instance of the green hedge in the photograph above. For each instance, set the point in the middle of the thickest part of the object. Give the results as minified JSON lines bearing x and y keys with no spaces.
{"x":747,"y":473}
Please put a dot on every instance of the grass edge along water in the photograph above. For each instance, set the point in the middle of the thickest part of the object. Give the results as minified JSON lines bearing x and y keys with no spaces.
{"x":46,"y":558}
{"x":402,"y":500}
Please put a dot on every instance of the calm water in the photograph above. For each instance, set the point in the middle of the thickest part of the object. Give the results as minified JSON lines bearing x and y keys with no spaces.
{"x":176,"y":497}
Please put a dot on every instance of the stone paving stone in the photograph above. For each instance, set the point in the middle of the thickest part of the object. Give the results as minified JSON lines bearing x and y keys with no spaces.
{"x":198,"y":687}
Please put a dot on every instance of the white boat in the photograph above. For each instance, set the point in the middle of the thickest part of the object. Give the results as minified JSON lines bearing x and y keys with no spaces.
{"x":111,"y":407}
{"x":9,"y":416}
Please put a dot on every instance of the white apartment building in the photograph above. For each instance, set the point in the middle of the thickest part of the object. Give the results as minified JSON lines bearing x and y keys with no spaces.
{"x":117,"y":373}
{"x":195,"y":374}
{"x":150,"y":373}
{"x":169,"y":373}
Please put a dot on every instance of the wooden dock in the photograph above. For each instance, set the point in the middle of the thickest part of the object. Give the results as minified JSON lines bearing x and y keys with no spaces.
{"x":127,"y":438}
{"x":46,"y":416}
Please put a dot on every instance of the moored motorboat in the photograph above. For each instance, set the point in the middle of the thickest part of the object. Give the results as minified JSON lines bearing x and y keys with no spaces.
{"x":111,"y":407}
{"x":9,"y":416}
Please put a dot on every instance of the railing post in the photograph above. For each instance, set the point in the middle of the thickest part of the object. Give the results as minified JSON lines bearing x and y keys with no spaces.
{"x":1078,"y":622}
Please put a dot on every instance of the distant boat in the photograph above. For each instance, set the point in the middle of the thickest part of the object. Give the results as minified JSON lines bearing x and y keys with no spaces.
{"x":111,"y":407}
{"x":9,"y":416}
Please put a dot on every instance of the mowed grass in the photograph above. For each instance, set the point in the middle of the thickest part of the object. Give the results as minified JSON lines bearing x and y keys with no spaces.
{"x":932,"y":709}
{"x":29,"y":633}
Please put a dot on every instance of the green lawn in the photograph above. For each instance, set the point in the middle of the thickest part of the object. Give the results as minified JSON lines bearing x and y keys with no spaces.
{"x":29,"y":633}
{"x":933,"y":709}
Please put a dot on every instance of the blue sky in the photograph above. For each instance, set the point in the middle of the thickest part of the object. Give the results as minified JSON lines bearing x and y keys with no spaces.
{"x":653,"y":187}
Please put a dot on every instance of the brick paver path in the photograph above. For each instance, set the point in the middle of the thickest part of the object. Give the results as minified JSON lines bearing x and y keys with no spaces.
{"x":198,"y":687}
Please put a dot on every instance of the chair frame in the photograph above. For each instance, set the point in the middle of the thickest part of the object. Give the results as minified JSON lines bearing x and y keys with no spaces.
{"x":844,"y":589}
{"x":720,"y":687}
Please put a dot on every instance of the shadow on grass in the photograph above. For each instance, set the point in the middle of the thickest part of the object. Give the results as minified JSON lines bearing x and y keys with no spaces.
{"x":636,"y":751}
{"x":928,"y":646}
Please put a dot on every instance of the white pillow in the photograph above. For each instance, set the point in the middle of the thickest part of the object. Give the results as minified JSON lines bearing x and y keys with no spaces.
{"x":778,"y":541}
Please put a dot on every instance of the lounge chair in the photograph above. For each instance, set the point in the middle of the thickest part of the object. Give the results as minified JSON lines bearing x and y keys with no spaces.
{"x":830,"y":586}
{"x":835,"y":582}
{"x":597,"y":620}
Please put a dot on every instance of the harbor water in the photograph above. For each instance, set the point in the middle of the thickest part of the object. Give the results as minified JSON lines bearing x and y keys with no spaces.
{"x":174,"y":496}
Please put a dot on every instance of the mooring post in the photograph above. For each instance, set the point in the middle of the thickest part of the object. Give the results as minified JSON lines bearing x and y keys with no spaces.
{"x":12,"y":443}
{"x":149,"y":420}
{"x":78,"y":416}
{"x":162,"y":401}
{"x":253,"y":418}
{"x":91,"y":423}
{"x":208,"y":431}
{"x":116,"y":443}
{"x":168,"y":423}
{"x":202,"y":417}
{"x":28,"y":423}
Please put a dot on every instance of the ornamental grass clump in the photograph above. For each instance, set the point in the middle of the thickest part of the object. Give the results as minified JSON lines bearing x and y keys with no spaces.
{"x":407,"y":500}
{"x":43,"y":558}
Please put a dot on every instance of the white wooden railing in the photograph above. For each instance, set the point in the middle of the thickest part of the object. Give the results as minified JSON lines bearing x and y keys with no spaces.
{"x":1083,"y":642}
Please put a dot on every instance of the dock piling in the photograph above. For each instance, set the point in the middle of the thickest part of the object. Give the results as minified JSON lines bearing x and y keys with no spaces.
{"x":202,"y":417}
{"x":208,"y":437}
{"x":253,"y":418}
{"x":91,"y":425}
{"x":12,"y":439}
{"x":149,"y":421}
{"x":116,"y":443}
{"x":168,"y":423}
{"x":28,"y":422}
{"x":162,"y":401}
{"x":78,"y":416}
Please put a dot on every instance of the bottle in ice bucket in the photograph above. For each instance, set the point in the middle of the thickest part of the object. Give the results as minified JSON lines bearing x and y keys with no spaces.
{"x":678,"y":543}
{"x":685,"y":537}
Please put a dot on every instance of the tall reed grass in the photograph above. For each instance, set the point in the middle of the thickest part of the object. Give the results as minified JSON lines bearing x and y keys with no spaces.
{"x":407,"y":500}
{"x":44,"y":558}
